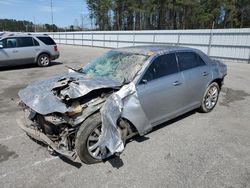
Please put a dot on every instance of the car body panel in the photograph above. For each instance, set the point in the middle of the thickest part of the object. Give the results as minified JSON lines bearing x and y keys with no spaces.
{"x":9,"y":56}
{"x":134,"y":113}
{"x":40,"y":96}
{"x":27,"y":54}
{"x":161,"y":98}
{"x":196,"y":83}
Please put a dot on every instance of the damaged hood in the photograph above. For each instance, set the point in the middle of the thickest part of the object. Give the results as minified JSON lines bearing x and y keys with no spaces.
{"x":48,"y":96}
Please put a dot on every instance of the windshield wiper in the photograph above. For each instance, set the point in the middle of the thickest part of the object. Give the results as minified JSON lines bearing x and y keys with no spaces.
{"x":76,"y":70}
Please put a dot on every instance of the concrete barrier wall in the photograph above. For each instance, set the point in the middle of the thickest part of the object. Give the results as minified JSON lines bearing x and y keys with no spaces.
{"x":231,"y":44}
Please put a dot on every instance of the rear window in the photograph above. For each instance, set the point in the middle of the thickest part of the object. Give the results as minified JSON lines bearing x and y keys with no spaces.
{"x":47,"y":40}
{"x":189,"y":60}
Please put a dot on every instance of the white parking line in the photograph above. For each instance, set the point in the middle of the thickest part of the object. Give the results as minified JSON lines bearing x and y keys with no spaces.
{"x":29,"y":166}
{"x":11,"y":137}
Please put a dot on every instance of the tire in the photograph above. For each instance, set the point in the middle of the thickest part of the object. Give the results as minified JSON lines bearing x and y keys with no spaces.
{"x":43,"y":60}
{"x":85,"y":136}
{"x":210,"y":98}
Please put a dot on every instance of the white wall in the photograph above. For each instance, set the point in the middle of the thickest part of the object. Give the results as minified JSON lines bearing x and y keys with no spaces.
{"x":219,"y":43}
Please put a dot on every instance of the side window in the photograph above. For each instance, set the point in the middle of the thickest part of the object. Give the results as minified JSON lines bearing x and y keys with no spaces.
{"x":200,"y":61}
{"x":9,"y":43}
{"x":35,"y":42}
{"x":189,"y":60}
{"x":25,"y":42}
{"x":47,"y":40}
{"x":162,"y":66}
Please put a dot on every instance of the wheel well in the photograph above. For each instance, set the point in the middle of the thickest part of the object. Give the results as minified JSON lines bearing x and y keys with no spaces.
{"x":131,"y":125}
{"x":219,"y":81}
{"x":132,"y":128}
{"x":42,"y":54}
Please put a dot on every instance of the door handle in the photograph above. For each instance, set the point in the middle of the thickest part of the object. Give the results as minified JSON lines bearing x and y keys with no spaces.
{"x":15,"y":51}
{"x":205,"y":73}
{"x":176,"y":83}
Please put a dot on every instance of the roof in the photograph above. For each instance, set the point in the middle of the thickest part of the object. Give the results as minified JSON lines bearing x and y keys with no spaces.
{"x":149,"y":49}
{"x":9,"y":34}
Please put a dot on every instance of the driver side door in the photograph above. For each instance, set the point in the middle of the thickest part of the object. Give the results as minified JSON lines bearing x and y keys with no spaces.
{"x":9,"y":54}
{"x":161,"y":89}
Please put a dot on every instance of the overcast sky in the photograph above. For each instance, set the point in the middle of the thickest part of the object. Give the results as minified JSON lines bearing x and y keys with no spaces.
{"x":65,"y":11}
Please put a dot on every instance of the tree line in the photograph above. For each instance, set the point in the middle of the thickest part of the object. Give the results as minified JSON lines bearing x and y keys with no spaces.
{"x":168,"y":14}
{"x":13,"y":25}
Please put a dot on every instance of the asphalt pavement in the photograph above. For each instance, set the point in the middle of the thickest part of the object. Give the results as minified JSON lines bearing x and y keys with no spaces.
{"x":194,"y":150}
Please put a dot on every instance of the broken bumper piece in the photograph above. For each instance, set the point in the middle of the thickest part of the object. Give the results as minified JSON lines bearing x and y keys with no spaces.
{"x":40,"y":136}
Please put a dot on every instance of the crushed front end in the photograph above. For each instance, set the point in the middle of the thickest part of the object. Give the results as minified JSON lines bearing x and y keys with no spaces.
{"x":57,"y":130}
{"x":55,"y":108}
{"x":66,"y":111}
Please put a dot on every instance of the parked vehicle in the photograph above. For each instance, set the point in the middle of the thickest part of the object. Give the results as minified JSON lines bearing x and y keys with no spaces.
{"x":89,"y":113}
{"x":19,"y":49}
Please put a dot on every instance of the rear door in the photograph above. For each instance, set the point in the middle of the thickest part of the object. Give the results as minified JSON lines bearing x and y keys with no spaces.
{"x":160,"y":90}
{"x":9,"y":54}
{"x":196,"y":74}
{"x":28,"y":49}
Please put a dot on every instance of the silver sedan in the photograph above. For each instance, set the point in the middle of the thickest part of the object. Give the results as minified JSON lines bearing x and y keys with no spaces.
{"x":90,"y":113}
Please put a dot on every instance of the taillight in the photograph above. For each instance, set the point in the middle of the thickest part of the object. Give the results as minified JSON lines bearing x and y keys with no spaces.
{"x":55,"y":48}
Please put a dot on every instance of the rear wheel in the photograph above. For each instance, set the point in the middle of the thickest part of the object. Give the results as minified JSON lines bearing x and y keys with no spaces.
{"x":43,"y":60}
{"x":88,"y":139}
{"x":210,"y":98}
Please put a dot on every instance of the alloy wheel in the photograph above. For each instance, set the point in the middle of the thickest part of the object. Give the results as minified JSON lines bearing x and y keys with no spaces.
{"x":211,"y":97}
{"x":93,"y":143}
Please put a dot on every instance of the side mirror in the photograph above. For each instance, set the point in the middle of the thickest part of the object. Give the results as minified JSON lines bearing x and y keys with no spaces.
{"x":1,"y":46}
{"x":144,"y":81}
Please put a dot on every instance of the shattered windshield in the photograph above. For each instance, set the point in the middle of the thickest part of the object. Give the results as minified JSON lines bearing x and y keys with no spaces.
{"x":120,"y":66}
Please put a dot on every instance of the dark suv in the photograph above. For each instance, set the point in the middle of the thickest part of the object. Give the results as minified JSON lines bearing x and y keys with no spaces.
{"x":17,"y":49}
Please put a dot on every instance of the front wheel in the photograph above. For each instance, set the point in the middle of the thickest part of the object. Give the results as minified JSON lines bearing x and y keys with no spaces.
{"x":88,"y":138}
{"x":210,"y":98}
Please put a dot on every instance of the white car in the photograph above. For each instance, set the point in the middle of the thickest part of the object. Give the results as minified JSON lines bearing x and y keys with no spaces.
{"x":18,"y":49}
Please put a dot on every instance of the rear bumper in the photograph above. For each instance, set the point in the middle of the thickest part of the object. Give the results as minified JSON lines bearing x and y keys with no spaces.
{"x":40,"y":136}
{"x":55,"y":56}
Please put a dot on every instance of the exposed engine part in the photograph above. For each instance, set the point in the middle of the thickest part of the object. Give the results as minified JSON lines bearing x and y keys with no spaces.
{"x":67,"y":141}
{"x":63,"y":144}
{"x":74,"y":109}
{"x":56,"y":120}
{"x":78,"y":115}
